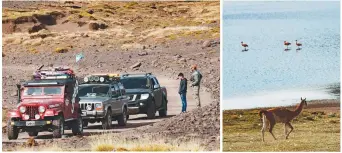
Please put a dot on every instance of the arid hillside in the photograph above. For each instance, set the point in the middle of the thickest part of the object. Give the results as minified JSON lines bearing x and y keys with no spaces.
{"x":164,"y":38}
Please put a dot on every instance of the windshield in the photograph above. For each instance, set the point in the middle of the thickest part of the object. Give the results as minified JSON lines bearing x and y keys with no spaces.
{"x":135,"y":83}
{"x":33,"y":91}
{"x":93,"y":90}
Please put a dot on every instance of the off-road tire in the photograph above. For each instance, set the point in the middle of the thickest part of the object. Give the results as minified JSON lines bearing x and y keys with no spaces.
{"x":151,"y":110}
{"x":107,"y":120}
{"x":32,"y":134}
{"x":58,"y":125}
{"x":77,"y":126}
{"x":163,"y":111}
{"x":12,"y":131}
{"x":122,"y":119}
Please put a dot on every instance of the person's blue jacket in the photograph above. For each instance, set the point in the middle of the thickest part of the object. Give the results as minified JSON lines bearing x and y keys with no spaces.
{"x":183,"y":86}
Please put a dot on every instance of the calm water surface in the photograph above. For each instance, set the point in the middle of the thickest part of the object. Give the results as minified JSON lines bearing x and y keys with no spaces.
{"x":266,"y":75}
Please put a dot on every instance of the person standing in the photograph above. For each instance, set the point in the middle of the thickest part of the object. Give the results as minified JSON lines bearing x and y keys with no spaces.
{"x":182,"y":90}
{"x":196,"y":78}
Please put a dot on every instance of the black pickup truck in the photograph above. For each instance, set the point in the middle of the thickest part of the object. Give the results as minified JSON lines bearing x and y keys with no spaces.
{"x":146,"y":96}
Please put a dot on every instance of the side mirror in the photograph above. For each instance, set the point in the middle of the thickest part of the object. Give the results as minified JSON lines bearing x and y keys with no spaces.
{"x":156,"y":86}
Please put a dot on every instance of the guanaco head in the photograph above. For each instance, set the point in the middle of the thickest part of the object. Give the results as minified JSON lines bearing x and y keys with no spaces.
{"x":303,"y":101}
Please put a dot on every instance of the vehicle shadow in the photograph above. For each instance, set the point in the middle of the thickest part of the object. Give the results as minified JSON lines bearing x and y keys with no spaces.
{"x":157,"y":117}
{"x":97,"y":129}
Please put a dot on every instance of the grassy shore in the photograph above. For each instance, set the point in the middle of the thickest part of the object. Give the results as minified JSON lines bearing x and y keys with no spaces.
{"x":317,"y":128}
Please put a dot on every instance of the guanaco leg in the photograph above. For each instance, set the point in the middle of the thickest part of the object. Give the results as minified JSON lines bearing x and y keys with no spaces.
{"x":291,"y":127}
{"x":271,"y":128}
{"x":264,"y":127}
{"x":285,"y":130}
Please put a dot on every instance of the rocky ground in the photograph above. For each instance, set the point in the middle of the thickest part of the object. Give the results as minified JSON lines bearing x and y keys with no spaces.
{"x":162,"y":38}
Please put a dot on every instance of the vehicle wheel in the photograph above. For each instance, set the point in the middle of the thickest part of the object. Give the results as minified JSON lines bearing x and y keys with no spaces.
{"x":77,"y":127}
{"x":12,"y":131}
{"x":151,"y":110}
{"x":58,"y":124}
{"x":163,"y":112}
{"x":32,"y":134}
{"x":85,"y":123}
{"x":107,"y":121}
{"x":122,"y":119}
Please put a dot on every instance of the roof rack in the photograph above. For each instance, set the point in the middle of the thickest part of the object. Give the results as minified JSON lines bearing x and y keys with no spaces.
{"x":135,"y":74}
{"x":54,"y":73}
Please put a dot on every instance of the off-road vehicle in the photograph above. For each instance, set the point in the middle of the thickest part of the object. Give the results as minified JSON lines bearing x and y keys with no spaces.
{"x":48,"y":102}
{"x":145,"y":94}
{"x":103,"y":99}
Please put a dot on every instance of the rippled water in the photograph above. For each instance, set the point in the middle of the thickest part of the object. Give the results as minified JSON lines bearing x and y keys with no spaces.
{"x":267,"y":75}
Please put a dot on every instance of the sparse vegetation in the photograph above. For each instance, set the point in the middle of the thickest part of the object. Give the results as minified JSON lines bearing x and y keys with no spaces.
{"x":313,"y":131}
{"x":61,"y":50}
{"x":109,"y":142}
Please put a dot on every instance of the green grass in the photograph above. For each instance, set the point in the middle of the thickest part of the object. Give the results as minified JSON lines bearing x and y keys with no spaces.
{"x":313,"y":131}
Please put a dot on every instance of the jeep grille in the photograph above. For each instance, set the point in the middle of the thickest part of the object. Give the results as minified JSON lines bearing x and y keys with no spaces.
{"x":84,"y":106}
{"x":32,"y":111}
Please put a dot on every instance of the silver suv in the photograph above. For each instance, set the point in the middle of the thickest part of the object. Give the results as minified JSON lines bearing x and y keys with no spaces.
{"x":103,"y":99}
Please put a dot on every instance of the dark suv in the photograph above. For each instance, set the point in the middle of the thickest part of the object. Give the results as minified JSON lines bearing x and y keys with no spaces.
{"x":103,"y":99}
{"x":145,"y":94}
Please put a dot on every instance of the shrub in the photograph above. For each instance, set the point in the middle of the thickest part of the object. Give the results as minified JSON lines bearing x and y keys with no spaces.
{"x":61,"y":50}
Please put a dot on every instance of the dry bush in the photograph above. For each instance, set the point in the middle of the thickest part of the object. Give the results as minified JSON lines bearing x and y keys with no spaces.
{"x":110,"y":142}
{"x":61,"y":50}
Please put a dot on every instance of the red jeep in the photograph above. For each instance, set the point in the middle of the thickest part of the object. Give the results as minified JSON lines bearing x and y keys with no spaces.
{"x":49,"y":102}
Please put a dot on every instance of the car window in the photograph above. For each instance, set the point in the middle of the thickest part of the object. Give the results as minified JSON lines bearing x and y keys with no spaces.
{"x":93,"y":90}
{"x":122,"y":89}
{"x":33,"y":91}
{"x":116,"y":93}
{"x":52,"y":90}
{"x":156,"y":80}
{"x":153,"y":83}
{"x":135,"y":83}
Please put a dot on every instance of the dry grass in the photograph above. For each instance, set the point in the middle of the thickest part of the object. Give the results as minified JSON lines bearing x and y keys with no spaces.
{"x":313,"y":131}
{"x":61,"y":50}
{"x":17,"y":13}
{"x":110,"y":142}
{"x":53,"y":147}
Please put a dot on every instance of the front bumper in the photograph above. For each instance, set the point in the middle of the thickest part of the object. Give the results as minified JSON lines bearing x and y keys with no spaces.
{"x":92,"y":114}
{"x":138,"y":106}
{"x":30,"y":123}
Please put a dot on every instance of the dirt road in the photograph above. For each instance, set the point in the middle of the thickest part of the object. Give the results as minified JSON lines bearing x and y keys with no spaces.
{"x":174,"y":108}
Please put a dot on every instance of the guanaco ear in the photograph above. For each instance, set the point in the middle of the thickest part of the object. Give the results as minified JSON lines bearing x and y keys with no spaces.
{"x":301,"y":98}
{"x":305,"y":99}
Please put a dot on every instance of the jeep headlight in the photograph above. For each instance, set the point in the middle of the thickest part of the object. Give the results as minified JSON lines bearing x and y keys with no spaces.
{"x":144,"y":96}
{"x":41,"y":109}
{"x":22,"y":109}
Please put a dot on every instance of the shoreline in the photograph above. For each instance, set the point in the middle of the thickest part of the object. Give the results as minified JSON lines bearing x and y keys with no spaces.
{"x":285,"y":97}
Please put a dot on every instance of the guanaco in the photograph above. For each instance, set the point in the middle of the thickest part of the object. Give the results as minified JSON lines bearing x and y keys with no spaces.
{"x":279,"y":115}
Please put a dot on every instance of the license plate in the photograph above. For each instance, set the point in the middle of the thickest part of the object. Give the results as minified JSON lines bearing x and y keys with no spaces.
{"x":84,"y":113}
{"x":30,"y":123}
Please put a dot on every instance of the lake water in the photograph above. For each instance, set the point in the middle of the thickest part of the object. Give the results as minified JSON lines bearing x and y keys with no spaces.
{"x":266,"y":74}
